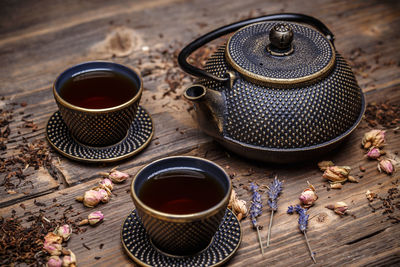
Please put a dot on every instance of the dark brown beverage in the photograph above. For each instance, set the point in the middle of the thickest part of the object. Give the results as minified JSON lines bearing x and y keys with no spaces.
{"x":98,"y":90}
{"x":181,"y":192}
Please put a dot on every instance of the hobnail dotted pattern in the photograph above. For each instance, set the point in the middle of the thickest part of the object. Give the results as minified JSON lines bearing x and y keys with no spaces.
{"x":139,"y":135}
{"x":99,"y":129}
{"x":284,"y":118}
{"x":138,"y":245}
{"x":312,"y":52}
{"x":184,"y":237}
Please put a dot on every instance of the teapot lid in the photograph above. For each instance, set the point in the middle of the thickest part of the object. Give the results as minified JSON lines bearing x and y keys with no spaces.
{"x":280,"y":53}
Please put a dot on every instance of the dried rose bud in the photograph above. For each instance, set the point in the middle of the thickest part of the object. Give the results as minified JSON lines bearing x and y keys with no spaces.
{"x":339,"y":208}
{"x":95,"y":217}
{"x":103,"y":195}
{"x":64,"y":231}
{"x":117,"y":176}
{"x":54,"y":261}
{"x":106,"y":183}
{"x":374,"y":153}
{"x":386,"y":165}
{"x":337,"y":174}
{"x":323,"y":165}
{"x":53,"y":238}
{"x":374,"y":138}
{"x":91,"y":198}
{"x":308,"y":196}
{"x":370,"y":195}
{"x":237,"y":206}
{"x":53,"y":249}
{"x":69,"y":260}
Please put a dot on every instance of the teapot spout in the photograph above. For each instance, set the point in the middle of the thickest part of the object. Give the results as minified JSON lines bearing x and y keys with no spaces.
{"x":209,"y":106}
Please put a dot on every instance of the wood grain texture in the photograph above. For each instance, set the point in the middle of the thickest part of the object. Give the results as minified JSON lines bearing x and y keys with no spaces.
{"x":39,"y":39}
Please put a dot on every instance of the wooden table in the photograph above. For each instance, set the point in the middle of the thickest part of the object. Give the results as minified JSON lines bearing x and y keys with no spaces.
{"x":39,"y":39}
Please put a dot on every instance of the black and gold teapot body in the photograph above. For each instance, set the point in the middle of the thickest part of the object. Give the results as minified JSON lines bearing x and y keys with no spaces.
{"x":277,"y":90}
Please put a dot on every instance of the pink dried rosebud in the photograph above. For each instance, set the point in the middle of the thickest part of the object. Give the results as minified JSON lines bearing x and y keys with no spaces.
{"x":69,"y":260}
{"x":308,"y":196}
{"x":374,"y":153}
{"x":386,"y":165}
{"x":91,"y":198}
{"x":53,"y":249}
{"x":95,"y":217}
{"x":54,"y":261}
{"x":103,"y":195}
{"x":106,"y":183}
{"x":117,"y":176}
{"x":337,"y":174}
{"x":64,"y":231}
{"x":53,"y":238}
{"x":373,"y":138}
{"x":340,"y":208}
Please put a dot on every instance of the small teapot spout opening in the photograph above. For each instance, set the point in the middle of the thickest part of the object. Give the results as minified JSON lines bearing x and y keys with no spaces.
{"x":195,"y":92}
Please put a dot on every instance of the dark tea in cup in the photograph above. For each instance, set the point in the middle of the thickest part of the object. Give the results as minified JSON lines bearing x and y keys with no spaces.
{"x":182,"y":191}
{"x":98,"y":90}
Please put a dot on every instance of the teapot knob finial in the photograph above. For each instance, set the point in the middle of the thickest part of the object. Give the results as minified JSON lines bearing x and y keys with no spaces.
{"x":281,"y":37}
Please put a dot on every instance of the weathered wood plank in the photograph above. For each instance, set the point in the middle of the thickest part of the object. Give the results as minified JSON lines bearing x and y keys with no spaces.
{"x":39,"y":40}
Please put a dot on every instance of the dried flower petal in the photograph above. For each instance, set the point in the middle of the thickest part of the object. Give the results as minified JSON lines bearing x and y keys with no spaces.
{"x":370,"y":195}
{"x":54,"y":261}
{"x":69,"y":260}
{"x":83,"y":222}
{"x":386,"y":165}
{"x":118,"y":177}
{"x":91,"y":198}
{"x":352,"y":179}
{"x":323,"y":165}
{"x":373,"y":138}
{"x":308,"y":196}
{"x":106,"y":183}
{"x":64,"y":231}
{"x":336,"y":186}
{"x":337,"y":173}
{"x":95,"y":217}
{"x":374,"y":153}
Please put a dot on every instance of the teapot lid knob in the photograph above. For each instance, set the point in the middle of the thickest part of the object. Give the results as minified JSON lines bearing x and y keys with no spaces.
{"x":281,"y":37}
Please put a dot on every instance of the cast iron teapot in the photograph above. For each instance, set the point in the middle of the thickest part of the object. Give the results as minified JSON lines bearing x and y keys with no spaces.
{"x":277,"y":90}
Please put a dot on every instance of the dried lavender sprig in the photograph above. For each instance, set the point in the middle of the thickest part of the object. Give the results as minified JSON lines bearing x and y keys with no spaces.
{"x":255,"y":211}
{"x":274,"y":189}
{"x":303,"y":222}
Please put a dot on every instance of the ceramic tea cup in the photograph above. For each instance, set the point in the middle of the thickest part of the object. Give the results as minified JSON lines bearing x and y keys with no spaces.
{"x":98,"y":101}
{"x":181,"y":202}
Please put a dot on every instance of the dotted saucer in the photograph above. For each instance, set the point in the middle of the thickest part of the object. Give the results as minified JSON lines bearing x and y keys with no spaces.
{"x":138,"y":137}
{"x":224,"y":245}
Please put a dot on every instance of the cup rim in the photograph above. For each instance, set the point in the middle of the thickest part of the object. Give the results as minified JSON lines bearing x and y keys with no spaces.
{"x":181,"y":217}
{"x":102,"y":110}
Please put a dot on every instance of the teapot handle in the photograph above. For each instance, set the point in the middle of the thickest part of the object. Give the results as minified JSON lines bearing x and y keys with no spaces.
{"x":199,"y":42}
